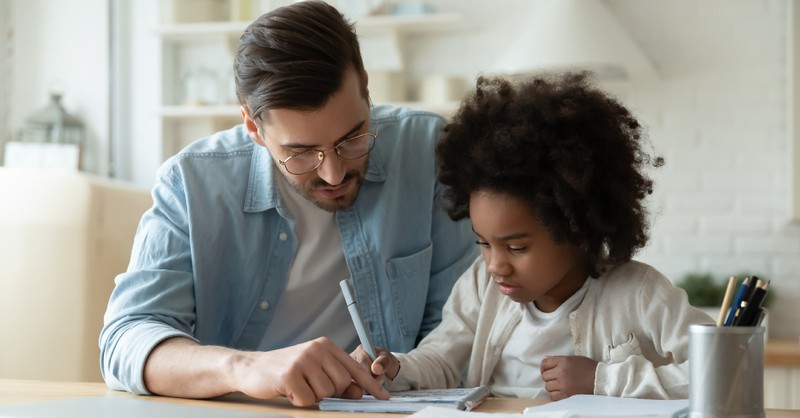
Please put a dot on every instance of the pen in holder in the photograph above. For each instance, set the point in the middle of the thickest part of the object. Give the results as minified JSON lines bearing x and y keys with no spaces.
{"x":726,"y":372}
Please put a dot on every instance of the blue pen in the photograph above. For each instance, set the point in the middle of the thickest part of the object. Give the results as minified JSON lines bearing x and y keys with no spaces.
{"x":355,"y":315}
{"x":737,"y":301}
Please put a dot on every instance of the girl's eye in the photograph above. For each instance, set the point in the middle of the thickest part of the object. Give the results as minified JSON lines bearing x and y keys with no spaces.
{"x":482,"y":244}
{"x":517,"y":249}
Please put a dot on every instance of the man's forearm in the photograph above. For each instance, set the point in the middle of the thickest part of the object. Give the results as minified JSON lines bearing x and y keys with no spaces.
{"x":304,"y":373}
{"x":180,"y":367}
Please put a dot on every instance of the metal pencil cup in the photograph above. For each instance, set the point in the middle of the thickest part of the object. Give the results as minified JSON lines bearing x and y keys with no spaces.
{"x":726,"y":372}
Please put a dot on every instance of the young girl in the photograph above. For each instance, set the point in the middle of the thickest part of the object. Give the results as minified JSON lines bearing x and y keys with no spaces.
{"x":550,"y":172}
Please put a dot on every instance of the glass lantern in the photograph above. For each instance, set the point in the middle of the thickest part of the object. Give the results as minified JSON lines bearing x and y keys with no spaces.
{"x":53,"y":125}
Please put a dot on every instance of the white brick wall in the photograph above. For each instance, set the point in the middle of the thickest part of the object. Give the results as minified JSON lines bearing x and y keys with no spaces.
{"x":718,"y":114}
{"x":722,"y":106}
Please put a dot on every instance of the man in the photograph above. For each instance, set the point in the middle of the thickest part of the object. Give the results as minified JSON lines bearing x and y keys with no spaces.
{"x":233,"y":281}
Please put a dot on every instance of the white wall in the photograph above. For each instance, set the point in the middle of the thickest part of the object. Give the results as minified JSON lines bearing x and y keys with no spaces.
{"x":5,"y":70}
{"x":718,"y":114}
{"x":137,"y":129}
{"x":63,"y":43}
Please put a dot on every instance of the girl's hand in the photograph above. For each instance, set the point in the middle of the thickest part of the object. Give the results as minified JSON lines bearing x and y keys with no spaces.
{"x":385,"y":367}
{"x":565,"y":376}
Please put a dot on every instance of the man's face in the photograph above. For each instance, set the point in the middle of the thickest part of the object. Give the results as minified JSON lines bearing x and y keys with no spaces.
{"x":286,"y":133}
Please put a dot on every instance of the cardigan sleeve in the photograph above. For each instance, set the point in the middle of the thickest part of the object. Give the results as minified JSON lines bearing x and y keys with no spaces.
{"x":440,"y":358}
{"x":663,"y":314}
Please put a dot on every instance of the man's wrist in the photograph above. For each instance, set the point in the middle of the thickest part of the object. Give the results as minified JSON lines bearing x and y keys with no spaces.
{"x":234,"y":363}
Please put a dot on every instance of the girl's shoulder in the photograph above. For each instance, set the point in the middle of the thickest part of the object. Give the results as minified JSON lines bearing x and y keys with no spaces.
{"x":633,"y":275}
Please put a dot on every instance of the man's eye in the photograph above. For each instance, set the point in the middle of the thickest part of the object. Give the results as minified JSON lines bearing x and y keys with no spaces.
{"x":303,"y":154}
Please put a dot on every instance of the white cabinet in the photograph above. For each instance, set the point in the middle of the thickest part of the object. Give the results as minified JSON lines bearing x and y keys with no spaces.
{"x":782,"y":374}
{"x":782,"y":387}
{"x":197,"y":86}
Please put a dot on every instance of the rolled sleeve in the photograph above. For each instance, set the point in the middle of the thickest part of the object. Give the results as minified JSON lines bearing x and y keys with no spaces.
{"x":154,"y":300}
{"x":126,"y":351}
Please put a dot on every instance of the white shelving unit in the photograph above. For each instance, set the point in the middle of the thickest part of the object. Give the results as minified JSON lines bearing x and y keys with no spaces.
{"x":370,"y":25}
{"x":210,"y":46}
{"x":197,"y":111}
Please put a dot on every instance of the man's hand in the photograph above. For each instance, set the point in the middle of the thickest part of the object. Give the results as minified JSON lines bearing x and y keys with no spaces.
{"x":385,"y":367}
{"x":565,"y":376}
{"x":304,"y":373}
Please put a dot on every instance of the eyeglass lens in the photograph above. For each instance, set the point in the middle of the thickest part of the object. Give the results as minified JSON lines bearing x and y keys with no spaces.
{"x":349,"y":149}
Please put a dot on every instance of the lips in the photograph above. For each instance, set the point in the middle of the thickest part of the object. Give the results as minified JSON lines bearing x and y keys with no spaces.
{"x":335,"y":192}
{"x":506,"y":288}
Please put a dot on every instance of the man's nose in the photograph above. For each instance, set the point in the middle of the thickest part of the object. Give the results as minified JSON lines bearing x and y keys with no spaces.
{"x":332,"y":169}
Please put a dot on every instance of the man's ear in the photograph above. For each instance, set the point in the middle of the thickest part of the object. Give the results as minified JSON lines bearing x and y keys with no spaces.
{"x":252,"y":126}
{"x":365,"y":77}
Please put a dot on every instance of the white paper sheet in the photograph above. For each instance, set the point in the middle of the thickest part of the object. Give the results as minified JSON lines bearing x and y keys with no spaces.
{"x":437,"y":412}
{"x":592,"y":406}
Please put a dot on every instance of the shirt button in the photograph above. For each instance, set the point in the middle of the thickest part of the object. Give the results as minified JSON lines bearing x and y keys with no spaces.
{"x":573,"y":315}
{"x":264,"y":305}
{"x":283,"y":236}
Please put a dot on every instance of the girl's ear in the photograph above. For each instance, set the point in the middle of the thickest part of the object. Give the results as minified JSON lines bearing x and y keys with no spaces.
{"x":252,"y":126}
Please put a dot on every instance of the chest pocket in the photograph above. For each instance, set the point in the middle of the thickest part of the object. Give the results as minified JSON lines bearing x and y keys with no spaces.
{"x":618,"y":354}
{"x":408,"y":279}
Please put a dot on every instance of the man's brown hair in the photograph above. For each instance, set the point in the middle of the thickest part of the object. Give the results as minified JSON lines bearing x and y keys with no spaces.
{"x":295,"y":57}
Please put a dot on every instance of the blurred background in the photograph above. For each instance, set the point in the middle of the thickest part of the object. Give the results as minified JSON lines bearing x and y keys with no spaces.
{"x":714,"y":82}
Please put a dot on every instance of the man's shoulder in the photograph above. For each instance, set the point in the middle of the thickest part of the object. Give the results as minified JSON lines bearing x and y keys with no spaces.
{"x":407,"y":117}
{"x":230,"y":143}
{"x":405,"y":131}
{"x":223,"y":144}
{"x":224,"y":151}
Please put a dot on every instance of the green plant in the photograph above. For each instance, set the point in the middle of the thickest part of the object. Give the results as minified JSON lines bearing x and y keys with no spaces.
{"x":703,"y":290}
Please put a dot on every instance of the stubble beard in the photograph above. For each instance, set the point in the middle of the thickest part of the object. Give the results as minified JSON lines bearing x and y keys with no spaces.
{"x":338,"y":203}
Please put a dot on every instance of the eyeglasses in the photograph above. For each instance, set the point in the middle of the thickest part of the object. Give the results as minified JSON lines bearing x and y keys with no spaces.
{"x":351,"y":148}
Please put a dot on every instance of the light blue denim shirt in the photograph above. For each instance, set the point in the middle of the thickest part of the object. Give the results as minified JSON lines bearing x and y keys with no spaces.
{"x":211,"y":257}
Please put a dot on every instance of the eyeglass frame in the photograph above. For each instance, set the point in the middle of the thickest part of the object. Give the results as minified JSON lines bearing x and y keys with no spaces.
{"x":321,"y":154}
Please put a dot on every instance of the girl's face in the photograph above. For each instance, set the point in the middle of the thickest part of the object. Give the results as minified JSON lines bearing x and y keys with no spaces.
{"x":520,"y":255}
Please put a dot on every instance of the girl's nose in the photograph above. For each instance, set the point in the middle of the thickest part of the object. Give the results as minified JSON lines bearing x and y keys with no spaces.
{"x":497,"y":264}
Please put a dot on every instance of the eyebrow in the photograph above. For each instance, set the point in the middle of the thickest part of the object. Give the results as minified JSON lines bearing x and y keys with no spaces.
{"x":349,"y":133}
{"x":515,"y":235}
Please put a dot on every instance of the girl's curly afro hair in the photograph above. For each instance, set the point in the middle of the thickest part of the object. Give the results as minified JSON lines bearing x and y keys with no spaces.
{"x":569,"y":150}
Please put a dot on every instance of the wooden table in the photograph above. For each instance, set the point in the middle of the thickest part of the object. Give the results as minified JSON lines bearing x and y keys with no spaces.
{"x":782,"y":353}
{"x":20,"y":391}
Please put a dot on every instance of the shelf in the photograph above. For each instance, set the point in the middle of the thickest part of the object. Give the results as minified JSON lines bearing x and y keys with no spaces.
{"x":210,"y":111}
{"x":369,"y":25}
{"x":232,"y":111}
{"x":188,"y":46}
{"x":422,"y":23}
{"x":200,"y":31}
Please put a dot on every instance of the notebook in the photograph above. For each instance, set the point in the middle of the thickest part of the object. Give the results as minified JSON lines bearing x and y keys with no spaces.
{"x":119,"y":407}
{"x":410,"y":401}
